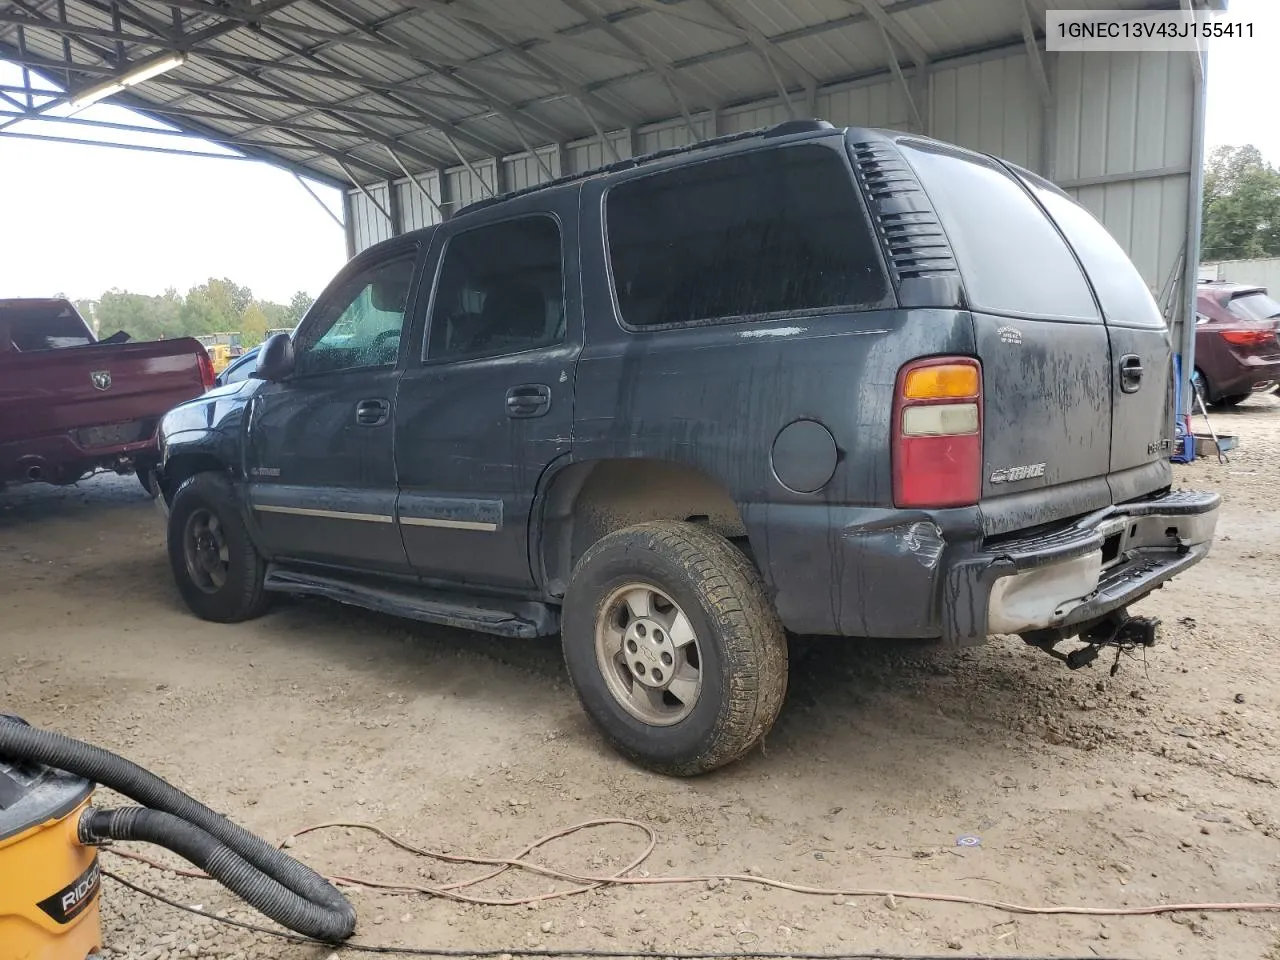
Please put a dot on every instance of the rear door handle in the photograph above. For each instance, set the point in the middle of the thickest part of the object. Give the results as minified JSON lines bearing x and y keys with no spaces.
{"x":372,"y":413}
{"x":1130,"y":373}
{"x":528,"y":400}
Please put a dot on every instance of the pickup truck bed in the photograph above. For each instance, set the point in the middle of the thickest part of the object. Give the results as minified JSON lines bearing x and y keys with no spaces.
{"x":73,"y":406}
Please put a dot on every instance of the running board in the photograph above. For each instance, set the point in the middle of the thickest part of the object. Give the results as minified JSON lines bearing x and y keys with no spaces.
{"x":500,"y":616}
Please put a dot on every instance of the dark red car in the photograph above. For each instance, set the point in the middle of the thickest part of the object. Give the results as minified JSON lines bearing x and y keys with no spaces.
{"x":1237,"y":342}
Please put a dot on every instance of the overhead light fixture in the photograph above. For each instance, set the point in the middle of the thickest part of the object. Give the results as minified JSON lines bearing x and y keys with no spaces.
{"x":140,"y":73}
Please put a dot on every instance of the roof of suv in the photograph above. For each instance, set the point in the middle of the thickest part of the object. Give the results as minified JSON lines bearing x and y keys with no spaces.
{"x":790,"y":131}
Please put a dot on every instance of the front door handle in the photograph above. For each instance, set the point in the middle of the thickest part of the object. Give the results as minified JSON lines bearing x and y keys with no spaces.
{"x":372,"y":413}
{"x":1130,"y":373}
{"x":528,"y":400}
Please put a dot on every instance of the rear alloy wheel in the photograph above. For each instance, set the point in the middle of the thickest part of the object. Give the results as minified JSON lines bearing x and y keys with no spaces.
{"x":648,"y":653}
{"x":673,"y":647}
{"x":218,"y":570}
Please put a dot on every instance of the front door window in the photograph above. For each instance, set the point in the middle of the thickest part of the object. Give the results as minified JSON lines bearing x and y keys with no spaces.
{"x":360,"y":325}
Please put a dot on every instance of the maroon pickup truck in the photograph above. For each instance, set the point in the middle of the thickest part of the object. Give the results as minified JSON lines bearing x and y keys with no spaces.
{"x":71,"y":405}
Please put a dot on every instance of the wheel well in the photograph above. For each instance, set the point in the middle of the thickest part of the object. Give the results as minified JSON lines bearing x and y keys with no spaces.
{"x":184,"y":466}
{"x":590,"y":500}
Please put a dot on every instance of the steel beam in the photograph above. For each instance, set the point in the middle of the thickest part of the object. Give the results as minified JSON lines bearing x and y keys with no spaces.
{"x":896,"y":68}
{"x":767,"y":49}
{"x":1033,"y":54}
{"x":417,"y":183}
{"x":504,"y":108}
{"x":465,"y":10}
{"x":884,"y":20}
{"x":367,"y":195}
{"x":1195,"y":226}
{"x":316,"y":197}
{"x":475,"y":174}
{"x":672,"y":80}
{"x":569,"y":86}
{"x":139,"y":147}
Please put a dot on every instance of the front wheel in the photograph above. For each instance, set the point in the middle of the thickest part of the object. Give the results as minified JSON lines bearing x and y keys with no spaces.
{"x":673,"y":647}
{"x":218,"y":570}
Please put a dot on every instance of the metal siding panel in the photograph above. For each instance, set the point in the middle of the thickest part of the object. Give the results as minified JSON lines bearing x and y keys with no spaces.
{"x":762,"y":115}
{"x":1069,"y":97}
{"x":589,"y":154}
{"x":465,"y":188}
{"x":1262,"y":273}
{"x":990,"y":107}
{"x":418,"y":212}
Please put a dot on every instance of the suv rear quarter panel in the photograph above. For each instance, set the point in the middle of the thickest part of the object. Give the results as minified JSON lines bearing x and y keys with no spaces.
{"x":714,"y":398}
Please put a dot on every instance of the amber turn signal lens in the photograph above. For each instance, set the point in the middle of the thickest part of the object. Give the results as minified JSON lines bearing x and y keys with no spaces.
{"x":944,"y":381}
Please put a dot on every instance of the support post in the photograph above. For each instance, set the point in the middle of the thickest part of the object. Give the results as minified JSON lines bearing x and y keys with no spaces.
{"x":1195,"y":195}
{"x":349,"y":222}
{"x":446,"y":194}
{"x":394,"y":208}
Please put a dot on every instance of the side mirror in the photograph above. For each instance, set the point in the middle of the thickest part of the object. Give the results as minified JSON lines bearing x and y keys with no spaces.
{"x":275,"y":359}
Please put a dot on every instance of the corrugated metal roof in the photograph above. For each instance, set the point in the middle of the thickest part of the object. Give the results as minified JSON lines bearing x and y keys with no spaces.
{"x":336,"y":87}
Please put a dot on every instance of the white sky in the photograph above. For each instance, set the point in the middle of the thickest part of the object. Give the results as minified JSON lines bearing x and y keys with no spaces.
{"x":83,"y":219}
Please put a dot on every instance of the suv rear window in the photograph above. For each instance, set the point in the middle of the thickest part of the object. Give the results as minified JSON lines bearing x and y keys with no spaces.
{"x":772,"y":232}
{"x":1254,"y":306}
{"x":1013,"y":261}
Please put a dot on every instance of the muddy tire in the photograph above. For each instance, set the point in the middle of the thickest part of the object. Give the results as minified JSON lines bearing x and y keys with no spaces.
{"x":216,"y":567}
{"x":673,"y":647}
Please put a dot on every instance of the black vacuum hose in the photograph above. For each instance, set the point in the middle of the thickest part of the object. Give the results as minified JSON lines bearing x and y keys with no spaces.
{"x":268,"y":879}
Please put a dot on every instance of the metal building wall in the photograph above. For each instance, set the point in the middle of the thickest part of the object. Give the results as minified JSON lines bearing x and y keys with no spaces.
{"x":1261,"y":273}
{"x":1123,"y":146}
{"x":1116,"y":130}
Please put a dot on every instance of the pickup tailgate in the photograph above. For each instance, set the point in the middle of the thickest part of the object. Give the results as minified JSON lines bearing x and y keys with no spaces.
{"x":97,"y":398}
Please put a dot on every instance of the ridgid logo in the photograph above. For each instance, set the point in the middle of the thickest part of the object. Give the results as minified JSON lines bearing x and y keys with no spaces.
{"x":69,"y":902}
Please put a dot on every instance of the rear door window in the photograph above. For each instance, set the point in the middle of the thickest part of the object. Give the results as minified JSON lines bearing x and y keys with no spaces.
{"x":768,"y":233}
{"x":1012,"y":258}
{"x":1124,"y":295}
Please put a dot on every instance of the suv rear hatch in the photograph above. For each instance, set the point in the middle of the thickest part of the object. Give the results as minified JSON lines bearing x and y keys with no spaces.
{"x":1076,"y":359}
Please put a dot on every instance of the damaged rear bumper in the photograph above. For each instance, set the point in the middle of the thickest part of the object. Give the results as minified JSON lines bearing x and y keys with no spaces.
{"x":1074,"y":576}
{"x":869,"y":572}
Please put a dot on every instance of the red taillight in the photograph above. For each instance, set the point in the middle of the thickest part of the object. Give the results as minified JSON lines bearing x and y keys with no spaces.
{"x":1248,"y":338}
{"x":937,"y":433}
{"x":207,"y":376}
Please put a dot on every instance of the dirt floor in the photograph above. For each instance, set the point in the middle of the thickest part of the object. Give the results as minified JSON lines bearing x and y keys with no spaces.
{"x":1157,"y":784}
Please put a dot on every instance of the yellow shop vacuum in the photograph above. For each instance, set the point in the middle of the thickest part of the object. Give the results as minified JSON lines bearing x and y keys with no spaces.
{"x":49,"y":834}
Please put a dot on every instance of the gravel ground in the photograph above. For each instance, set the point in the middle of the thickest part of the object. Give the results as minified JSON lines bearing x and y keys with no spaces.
{"x":1159,"y":783}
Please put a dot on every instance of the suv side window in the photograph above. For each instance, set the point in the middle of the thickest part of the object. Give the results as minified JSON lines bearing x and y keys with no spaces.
{"x":501,"y":290}
{"x":771,"y":232}
{"x":359,"y":324}
{"x":1013,"y":260}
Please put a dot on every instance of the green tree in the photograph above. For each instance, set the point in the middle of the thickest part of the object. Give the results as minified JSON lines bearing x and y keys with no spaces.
{"x":1241,"y":205}
{"x":141,"y":316}
{"x":253,"y":325}
{"x":215,"y":306}
{"x":299,"y":303}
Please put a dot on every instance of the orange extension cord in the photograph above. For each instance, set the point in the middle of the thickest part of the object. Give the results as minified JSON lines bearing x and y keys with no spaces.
{"x":583,"y":883}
